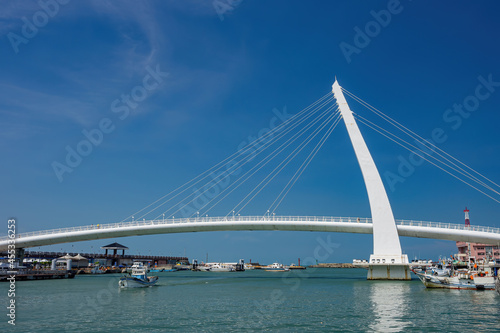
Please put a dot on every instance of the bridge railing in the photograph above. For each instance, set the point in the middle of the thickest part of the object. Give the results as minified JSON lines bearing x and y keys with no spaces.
{"x":267,"y":218}
{"x":448,"y":226}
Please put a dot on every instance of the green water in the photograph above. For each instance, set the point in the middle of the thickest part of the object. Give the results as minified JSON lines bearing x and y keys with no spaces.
{"x":314,"y":300}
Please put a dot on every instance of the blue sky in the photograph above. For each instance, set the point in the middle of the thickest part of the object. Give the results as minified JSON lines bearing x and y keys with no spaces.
{"x":229,"y":65}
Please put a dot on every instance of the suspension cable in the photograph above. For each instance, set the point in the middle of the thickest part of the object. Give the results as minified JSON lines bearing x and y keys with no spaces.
{"x":304,"y":165}
{"x":241,"y":151}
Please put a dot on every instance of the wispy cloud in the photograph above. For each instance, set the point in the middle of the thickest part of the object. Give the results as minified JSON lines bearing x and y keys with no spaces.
{"x":92,"y":85}
{"x":141,"y":14}
{"x":82,"y":88}
{"x":26,"y":112}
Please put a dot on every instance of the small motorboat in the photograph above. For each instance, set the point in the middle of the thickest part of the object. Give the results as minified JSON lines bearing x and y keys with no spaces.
{"x":138,"y":277}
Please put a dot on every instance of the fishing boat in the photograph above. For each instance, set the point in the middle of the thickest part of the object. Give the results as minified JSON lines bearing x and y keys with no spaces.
{"x":138,"y":277}
{"x":459,"y":279}
{"x":442,"y":268}
{"x":276,"y":267}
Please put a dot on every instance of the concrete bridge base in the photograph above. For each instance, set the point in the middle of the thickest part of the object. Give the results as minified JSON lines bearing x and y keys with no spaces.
{"x":20,"y":255}
{"x":389,"y":268}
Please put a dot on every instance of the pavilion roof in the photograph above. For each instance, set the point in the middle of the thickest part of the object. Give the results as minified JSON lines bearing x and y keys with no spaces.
{"x":114,"y":246}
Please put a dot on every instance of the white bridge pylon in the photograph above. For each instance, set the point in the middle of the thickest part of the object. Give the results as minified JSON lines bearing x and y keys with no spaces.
{"x":386,"y":245}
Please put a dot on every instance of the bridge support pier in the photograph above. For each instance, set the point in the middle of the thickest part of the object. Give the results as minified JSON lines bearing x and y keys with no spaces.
{"x":20,"y":255}
{"x":389,"y":268}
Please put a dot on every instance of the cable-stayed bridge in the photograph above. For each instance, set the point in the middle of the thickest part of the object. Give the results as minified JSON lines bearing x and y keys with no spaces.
{"x":282,"y":145}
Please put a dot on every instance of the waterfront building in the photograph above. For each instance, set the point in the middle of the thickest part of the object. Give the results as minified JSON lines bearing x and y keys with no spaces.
{"x":478,"y":251}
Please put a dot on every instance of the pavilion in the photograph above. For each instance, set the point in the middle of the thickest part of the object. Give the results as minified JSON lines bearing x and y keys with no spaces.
{"x":115,"y":247}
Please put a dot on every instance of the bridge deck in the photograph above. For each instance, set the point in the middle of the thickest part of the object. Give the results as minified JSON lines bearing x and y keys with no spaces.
{"x":410,"y":228}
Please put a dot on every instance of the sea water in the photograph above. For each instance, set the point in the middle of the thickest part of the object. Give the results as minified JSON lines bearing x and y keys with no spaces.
{"x":312,"y":300}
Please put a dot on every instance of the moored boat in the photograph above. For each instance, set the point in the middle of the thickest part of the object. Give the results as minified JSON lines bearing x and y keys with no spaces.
{"x":459,"y":279}
{"x":276,"y":267}
{"x":170,"y":270}
{"x":138,"y":277}
{"x":156,"y":270}
{"x":202,"y":268}
{"x":220,"y":267}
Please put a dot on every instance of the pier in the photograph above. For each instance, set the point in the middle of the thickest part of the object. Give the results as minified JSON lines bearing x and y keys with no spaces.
{"x":30,"y":274}
{"x":120,"y":259}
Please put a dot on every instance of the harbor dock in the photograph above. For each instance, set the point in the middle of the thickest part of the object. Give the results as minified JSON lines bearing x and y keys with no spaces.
{"x":29,"y":274}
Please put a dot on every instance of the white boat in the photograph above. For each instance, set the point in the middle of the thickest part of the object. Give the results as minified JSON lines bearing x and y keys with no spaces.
{"x":138,"y":277}
{"x":204,"y":268}
{"x":220,"y":267}
{"x":459,"y":279}
{"x":276,"y":267}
